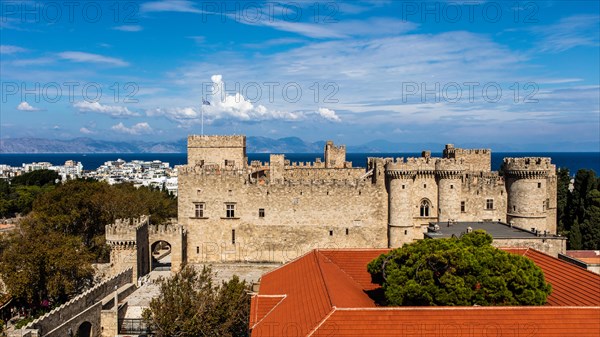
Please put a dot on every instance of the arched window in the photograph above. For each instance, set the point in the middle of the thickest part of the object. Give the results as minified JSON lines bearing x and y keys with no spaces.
{"x":425,"y":205}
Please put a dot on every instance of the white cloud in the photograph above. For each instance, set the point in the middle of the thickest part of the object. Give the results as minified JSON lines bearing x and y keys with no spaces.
{"x":329,"y":114}
{"x":169,"y":6}
{"x":570,"y":32}
{"x":76,"y":56}
{"x":199,"y":39}
{"x":111,"y":110}
{"x":8,"y":49}
{"x":86,"y":131}
{"x":24,"y":106}
{"x":129,"y":28}
{"x":223,"y":106}
{"x":136,"y":129}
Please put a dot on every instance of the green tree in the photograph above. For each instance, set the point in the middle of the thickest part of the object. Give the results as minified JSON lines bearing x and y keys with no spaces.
{"x":84,"y":208}
{"x":575,"y":238}
{"x":585,"y":182}
{"x":190,"y":304}
{"x":466,"y":271}
{"x":37,"y":178}
{"x":562,"y":197}
{"x":590,"y":228}
{"x":37,"y":265}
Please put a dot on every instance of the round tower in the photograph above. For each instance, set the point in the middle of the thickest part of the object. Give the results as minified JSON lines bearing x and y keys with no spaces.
{"x":527,"y":187}
{"x":400,"y":223}
{"x":449,"y":179}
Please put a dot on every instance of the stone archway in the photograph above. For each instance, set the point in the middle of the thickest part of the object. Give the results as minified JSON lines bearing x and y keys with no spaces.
{"x":160,"y":256}
{"x":84,"y":330}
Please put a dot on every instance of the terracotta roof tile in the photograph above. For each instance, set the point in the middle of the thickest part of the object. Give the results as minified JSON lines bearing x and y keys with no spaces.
{"x":461,"y":321}
{"x":326,"y":296}
{"x":262,"y":305}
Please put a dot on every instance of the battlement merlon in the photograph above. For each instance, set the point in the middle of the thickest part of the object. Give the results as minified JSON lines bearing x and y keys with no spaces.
{"x":125,"y":230}
{"x":528,"y":167}
{"x":222,"y":151}
{"x":216,"y":141}
{"x":473,"y":159}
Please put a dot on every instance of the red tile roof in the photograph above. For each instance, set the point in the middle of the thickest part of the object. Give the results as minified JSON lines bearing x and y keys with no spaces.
{"x":324,"y":293}
{"x":571,"y":285}
{"x":587,"y":256}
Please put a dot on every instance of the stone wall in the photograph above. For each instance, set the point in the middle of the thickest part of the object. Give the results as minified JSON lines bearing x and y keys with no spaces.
{"x":283,"y":209}
{"x":531,"y":187}
{"x":474,"y":160}
{"x":175,"y":235}
{"x":296,"y":216}
{"x":128,"y":239}
{"x":83,"y":308}
{"x":549,"y":245}
{"x":222,"y":151}
{"x":335,"y":156}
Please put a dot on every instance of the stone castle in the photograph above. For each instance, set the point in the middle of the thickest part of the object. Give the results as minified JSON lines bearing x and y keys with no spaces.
{"x":230,"y":210}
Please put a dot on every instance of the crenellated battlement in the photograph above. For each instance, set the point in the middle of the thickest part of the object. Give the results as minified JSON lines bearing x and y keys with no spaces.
{"x":165,"y":229}
{"x":528,"y":167}
{"x":124,"y":231}
{"x":216,"y":141}
{"x":449,"y":168}
{"x":56,"y":317}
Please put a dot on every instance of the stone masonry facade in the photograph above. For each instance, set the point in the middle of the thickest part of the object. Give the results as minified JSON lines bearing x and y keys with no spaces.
{"x":232,"y":210}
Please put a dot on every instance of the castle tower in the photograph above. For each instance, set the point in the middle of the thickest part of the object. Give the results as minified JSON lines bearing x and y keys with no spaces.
{"x":221,"y":151}
{"x":335,"y":156}
{"x":128,"y":241}
{"x":400,"y":226}
{"x":529,"y":185}
{"x":449,"y":175}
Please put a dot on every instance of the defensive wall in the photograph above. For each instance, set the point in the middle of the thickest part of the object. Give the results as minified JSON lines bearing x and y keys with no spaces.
{"x":85,"y":308}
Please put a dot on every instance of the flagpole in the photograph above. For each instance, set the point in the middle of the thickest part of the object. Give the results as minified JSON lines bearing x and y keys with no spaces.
{"x":202,"y":116}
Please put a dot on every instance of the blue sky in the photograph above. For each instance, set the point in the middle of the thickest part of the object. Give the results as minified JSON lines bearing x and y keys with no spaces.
{"x":463,"y":72}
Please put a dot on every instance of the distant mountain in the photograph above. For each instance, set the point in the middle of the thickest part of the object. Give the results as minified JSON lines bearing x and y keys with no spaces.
{"x":87,"y":145}
{"x":261,"y":145}
{"x":282,"y":145}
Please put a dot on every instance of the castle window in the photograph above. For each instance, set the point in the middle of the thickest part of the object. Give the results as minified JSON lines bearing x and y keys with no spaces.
{"x":539,"y":185}
{"x":463,"y":206}
{"x":424,"y":185}
{"x":230,"y":210}
{"x":347,"y":231}
{"x":197,"y":250}
{"x":451,"y":187}
{"x":233,"y":236}
{"x":405,"y":232}
{"x":514,"y":208}
{"x":425,"y":205}
{"x":331,"y":233}
{"x":489,"y":203}
{"x":403,"y":186}
{"x":199,"y":210}
{"x":261,"y":212}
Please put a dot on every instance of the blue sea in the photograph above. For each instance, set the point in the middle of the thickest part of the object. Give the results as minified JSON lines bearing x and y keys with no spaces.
{"x":571,"y":160}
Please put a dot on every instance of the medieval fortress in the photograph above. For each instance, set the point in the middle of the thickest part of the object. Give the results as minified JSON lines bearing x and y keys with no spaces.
{"x":230,"y":210}
{"x":248,"y":218}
